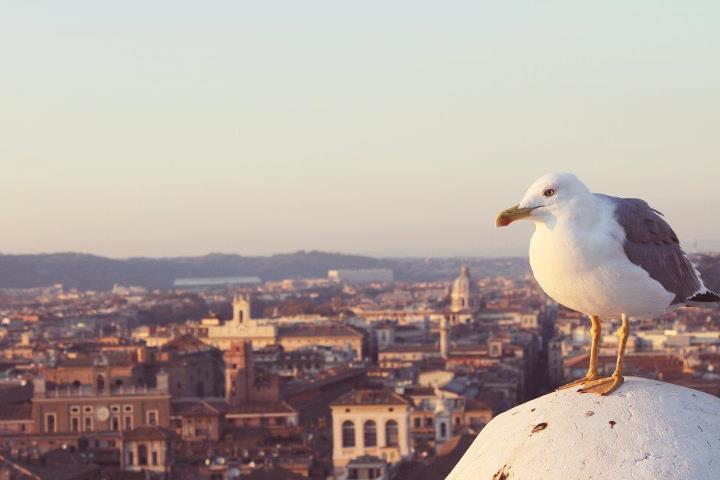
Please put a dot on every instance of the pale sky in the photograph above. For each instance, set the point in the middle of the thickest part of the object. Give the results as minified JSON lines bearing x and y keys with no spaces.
{"x":386,"y":128}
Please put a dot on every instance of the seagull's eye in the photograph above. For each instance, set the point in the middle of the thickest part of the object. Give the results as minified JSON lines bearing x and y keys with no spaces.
{"x":549,"y":192}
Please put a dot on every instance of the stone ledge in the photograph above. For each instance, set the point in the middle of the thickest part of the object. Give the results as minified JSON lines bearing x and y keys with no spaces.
{"x":647,"y":430}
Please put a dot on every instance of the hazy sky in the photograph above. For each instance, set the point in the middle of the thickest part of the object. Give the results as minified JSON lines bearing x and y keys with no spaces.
{"x":167,"y":128}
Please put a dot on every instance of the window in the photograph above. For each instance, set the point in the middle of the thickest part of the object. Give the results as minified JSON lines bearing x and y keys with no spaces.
{"x":392,"y":438}
{"x":370,"y":434}
{"x":443,"y":430}
{"x":154,"y":458}
{"x":127,"y":408}
{"x":130,"y":457}
{"x":428,"y":422}
{"x":50,"y":425}
{"x":75,"y":424}
{"x":152,"y":417}
{"x":115,"y":424}
{"x":115,"y":408}
{"x":88,"y":424}
{"x":74,"y":410}
{"x":88,"y":409}
{"x":127,"y":423}
{"x":142,"y":454}
{"x":417,"y":422}
{"x":348,"y":434}
{"x":100,"y":384}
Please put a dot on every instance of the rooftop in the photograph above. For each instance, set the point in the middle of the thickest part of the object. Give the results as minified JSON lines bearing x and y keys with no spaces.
{"x":305,"y":330}
{"x":370,"y":397}
{"x":150,"y":433}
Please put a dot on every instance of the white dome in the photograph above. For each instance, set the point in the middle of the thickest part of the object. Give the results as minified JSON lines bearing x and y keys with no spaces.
{"x":647,"y":430}
{"x":463,"y":292}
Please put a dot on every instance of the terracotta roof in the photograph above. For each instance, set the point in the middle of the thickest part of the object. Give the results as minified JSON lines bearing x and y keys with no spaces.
{"x":371,"y":397}
{"x":419,"y":390}
{"x":640,"y":361}
{"x":15,"y":393}
{"x":475,"y":404}
{"x":15,"y":412}
{"x":87,"y":360}
{"x":305,"y":330}
{"x":327,"y":378}
{"x":409,"y":348}
{"x":38,"y":472}
{"x":150,"y":433}
{"x":273,"y":474}
{"x":199,"y":407}
{"x":255,"y":408}
{"x":186,"y":344}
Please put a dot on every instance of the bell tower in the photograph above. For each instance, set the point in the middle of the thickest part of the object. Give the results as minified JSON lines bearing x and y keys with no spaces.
{"x":239,"y":373}
{"x":242,"y":311}
{"x":101,"y":376}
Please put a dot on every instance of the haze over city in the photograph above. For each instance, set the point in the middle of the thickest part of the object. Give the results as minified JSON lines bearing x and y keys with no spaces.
{"x":290,"y":240}
{"x":383,"y":129}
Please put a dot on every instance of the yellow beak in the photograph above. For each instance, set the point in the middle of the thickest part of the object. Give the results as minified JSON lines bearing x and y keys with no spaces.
{"x":506,"y":217}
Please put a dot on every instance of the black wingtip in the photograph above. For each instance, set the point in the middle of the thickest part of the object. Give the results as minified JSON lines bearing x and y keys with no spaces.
{"x":706,"y":296}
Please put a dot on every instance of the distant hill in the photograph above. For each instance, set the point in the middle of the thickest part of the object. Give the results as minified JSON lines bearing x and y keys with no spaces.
{"x":91,"y":272}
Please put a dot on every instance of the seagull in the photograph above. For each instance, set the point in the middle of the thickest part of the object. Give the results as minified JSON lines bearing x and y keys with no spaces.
{"x":605,"y":257}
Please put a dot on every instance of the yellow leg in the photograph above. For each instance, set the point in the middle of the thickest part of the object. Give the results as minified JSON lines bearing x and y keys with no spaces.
{"x":605,"y":386}
{"x":592,"y":373}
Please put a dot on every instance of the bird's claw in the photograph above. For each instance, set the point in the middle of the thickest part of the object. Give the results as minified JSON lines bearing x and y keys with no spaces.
{"x":580,"y":381}
{"x":603,"y":386}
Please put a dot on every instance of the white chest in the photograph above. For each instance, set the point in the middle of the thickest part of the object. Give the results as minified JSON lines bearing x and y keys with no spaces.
{"x":587,"y":270}
{"x":562,"y":258}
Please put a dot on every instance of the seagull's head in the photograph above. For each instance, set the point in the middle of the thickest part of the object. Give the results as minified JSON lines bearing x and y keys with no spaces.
{"x":550,"y":196}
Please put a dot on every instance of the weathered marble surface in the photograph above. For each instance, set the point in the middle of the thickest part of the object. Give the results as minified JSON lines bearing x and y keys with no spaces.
{"x":647,"y":430}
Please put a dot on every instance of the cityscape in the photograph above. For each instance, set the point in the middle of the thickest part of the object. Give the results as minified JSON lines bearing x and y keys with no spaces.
{"x":359,"y":240}
{"x":352,"y":375}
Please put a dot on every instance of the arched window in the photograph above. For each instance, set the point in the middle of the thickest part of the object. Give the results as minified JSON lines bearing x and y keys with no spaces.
{"x":348,"y":434}
{"x":392,"y":438}
{"x":142,"y":454}
{"x":370,"y":434}
{"x":443,"y":430}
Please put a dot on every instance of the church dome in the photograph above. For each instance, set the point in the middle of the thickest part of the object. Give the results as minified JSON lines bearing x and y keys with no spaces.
{"x":463,"y":293}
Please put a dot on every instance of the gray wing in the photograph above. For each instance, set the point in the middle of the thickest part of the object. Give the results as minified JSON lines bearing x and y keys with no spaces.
{"x":651,"y":244}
